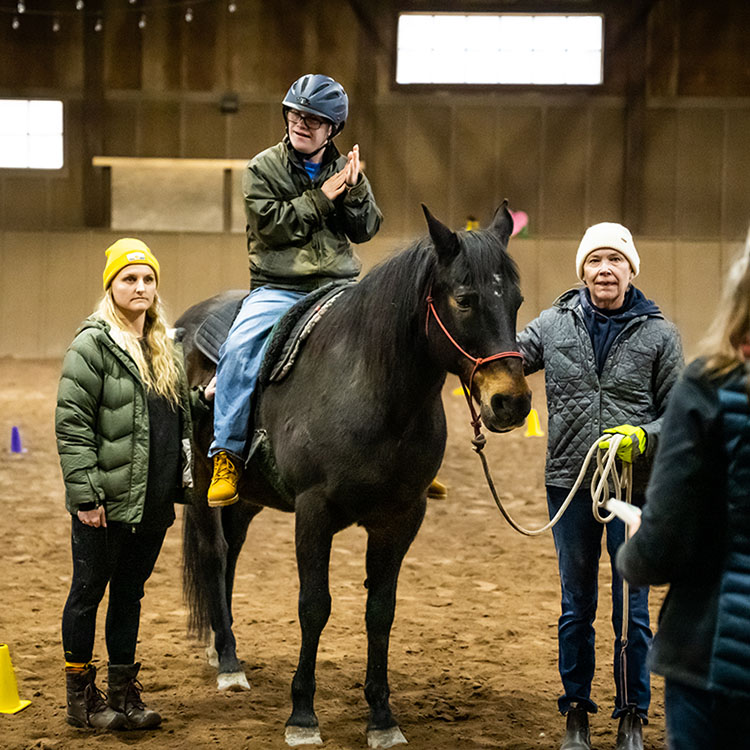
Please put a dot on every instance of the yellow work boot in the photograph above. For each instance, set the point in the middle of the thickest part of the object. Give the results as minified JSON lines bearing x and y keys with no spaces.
{"x":437,"y":490}
{"x":223,"y":489}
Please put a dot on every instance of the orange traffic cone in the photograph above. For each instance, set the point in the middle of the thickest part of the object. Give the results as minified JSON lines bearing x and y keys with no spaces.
{"x":533,"y":428}
{"x":10,"y":703}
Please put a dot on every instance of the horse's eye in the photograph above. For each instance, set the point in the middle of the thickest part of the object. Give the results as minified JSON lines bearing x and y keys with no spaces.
{"x":465,"y":301}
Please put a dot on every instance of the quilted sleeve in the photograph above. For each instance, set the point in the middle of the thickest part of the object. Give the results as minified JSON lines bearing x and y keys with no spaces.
{"x":531,"y":344}
{"x":76,"y":414}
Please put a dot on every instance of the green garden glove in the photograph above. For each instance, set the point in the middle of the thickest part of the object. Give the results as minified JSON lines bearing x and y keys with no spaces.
{"x":632,"y":446}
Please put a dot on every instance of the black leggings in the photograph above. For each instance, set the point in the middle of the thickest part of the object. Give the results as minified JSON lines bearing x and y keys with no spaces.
{"x":122,"y":558}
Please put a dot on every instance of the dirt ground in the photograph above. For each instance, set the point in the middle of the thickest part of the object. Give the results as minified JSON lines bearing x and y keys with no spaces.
{"x":473,"y":650}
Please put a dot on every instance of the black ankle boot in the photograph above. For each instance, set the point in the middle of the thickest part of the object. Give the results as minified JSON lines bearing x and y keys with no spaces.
{"x":576,"y":730}
{"x":124,"y":695}
{"x":86,"y":705}
{"x":630,"y":732}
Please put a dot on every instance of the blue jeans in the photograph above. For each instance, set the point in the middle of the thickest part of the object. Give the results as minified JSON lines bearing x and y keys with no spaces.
{"x":701,"y":720}
{"x":240,"y":358}
{"x":578,"y":541}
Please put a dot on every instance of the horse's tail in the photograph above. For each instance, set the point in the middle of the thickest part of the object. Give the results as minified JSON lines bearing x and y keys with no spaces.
{"x":195,"y":584}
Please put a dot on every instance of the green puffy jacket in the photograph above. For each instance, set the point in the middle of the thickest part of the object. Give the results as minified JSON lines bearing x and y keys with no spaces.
{"x":296,"y":237}
{"x":102,"y":427}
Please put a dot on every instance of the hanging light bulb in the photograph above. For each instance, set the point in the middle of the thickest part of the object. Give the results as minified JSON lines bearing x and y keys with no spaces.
{"x":98,"y":25}
{"x":189,"y":15}
{"x":15,"y":23}
{"x":56,"y":25}
{"x":232,"y":7}
{"x":132,"y":2}
{"x":79,"y":4}
{"x":142,"y":21}
{"x":21,"y":7}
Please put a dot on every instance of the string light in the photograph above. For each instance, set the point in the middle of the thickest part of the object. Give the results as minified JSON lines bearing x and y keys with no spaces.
{"x":97,"y":14}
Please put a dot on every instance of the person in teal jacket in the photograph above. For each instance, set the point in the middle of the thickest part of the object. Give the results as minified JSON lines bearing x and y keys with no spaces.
{"x":305,"y":205}
{"x":695,"y":536}
{"x":123,"y":425}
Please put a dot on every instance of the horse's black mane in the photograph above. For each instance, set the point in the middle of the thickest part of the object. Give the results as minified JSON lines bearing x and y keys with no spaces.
{"x":388,"y":305}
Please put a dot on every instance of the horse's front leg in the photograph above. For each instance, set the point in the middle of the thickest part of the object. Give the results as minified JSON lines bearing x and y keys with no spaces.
{"x":386,"y":548}
{"x":313,"y":535}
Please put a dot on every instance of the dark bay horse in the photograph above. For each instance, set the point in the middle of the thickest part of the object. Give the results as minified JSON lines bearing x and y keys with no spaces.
{"x":358,"y":431}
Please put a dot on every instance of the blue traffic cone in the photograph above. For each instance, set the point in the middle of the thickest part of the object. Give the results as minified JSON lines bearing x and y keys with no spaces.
{"x":15,"y":441}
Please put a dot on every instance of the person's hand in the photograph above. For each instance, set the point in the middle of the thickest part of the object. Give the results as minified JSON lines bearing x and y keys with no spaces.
{"x":353,"y":165}
{"x":95,"y":518}
{"x":210,"y":390}
{"x":632,"y":445}
{"x":335,"y":184}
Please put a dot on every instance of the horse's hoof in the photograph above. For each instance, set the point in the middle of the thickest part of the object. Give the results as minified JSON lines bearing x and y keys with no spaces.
{"x":302,"y":736}
{"x":232,"y":681}
{"x":213,"y":657}
{"x":379,"y":739}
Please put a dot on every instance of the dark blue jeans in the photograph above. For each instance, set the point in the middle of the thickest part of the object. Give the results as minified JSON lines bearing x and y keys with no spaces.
{"x":117,"y":556}
{"x":700,"y":720}
{"x":578,"y":542}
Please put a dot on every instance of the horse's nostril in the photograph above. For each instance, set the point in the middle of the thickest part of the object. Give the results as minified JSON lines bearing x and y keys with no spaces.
{"x":500,"y":403}
{"x":504,"y":404}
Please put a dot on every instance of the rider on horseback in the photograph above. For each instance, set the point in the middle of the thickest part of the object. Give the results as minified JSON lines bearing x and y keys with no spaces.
{"x":305,"y":204}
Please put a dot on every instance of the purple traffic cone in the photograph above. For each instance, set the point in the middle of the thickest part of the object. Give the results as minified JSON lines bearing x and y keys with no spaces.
{"x":15,"y":441}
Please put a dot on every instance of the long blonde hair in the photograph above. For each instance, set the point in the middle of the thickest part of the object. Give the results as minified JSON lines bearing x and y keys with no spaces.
{"x":731,"y":326}
{"x":160,"y":373}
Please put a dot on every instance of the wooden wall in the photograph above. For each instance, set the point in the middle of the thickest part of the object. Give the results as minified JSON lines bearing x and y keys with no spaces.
{"x":52,"y":280}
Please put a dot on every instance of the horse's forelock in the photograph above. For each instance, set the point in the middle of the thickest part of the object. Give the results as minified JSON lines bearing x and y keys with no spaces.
{"x":482,"y":258}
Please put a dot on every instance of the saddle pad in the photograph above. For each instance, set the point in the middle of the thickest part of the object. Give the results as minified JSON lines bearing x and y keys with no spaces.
{"x":214,"y":329}
{"x":289,"y":334}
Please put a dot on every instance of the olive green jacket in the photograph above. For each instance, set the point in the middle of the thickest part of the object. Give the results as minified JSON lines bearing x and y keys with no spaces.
{"x":102,"y":426}
{"x":296,"y":237}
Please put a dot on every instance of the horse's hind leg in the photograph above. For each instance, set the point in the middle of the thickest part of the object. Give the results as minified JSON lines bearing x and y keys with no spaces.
{"x":234,"y":521}
{"x":313,"y":534}
{"x":386,"y":548}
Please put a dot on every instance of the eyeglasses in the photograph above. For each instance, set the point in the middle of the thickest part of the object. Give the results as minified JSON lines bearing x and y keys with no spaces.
{"x":311,"y":122}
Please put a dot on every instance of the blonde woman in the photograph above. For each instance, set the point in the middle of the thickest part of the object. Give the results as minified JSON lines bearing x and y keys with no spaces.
{"x":123,"y":426}
{"x":695,"y":536}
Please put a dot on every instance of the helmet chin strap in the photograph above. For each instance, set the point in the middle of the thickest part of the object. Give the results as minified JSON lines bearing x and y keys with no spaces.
{"x":307,"y":157}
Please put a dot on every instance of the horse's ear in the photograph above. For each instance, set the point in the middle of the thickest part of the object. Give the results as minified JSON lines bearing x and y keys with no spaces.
{"x":502,"y":223}
{"x":445,"y":240}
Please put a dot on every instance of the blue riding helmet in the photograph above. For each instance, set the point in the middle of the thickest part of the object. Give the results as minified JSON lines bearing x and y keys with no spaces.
{"x":319,"y":95}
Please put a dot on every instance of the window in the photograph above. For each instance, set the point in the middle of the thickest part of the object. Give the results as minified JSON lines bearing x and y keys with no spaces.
{"x":506,"y":48}
{"x":31,"y":134}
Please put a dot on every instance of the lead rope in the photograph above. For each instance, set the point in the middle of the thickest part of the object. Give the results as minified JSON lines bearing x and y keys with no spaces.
{"x":606,"y":470}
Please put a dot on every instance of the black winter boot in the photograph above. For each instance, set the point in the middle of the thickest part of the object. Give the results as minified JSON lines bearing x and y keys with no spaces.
{"x":124,"y":695}
{"x":86,"y":705}
{"x":576,"y":730}
{"x":630,"y":732}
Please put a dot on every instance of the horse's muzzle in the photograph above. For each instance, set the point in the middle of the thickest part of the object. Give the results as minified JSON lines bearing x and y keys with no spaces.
{"x":504,"y":397}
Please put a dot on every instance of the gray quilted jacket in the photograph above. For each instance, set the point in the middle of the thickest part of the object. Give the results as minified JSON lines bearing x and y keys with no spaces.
{"x":638,"y":373}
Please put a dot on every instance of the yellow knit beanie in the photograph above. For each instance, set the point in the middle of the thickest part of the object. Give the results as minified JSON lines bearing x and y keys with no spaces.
{"x":125,"y":252}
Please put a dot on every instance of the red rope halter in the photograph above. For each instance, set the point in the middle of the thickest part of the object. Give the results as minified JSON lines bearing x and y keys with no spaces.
{"x":478,"y":362}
